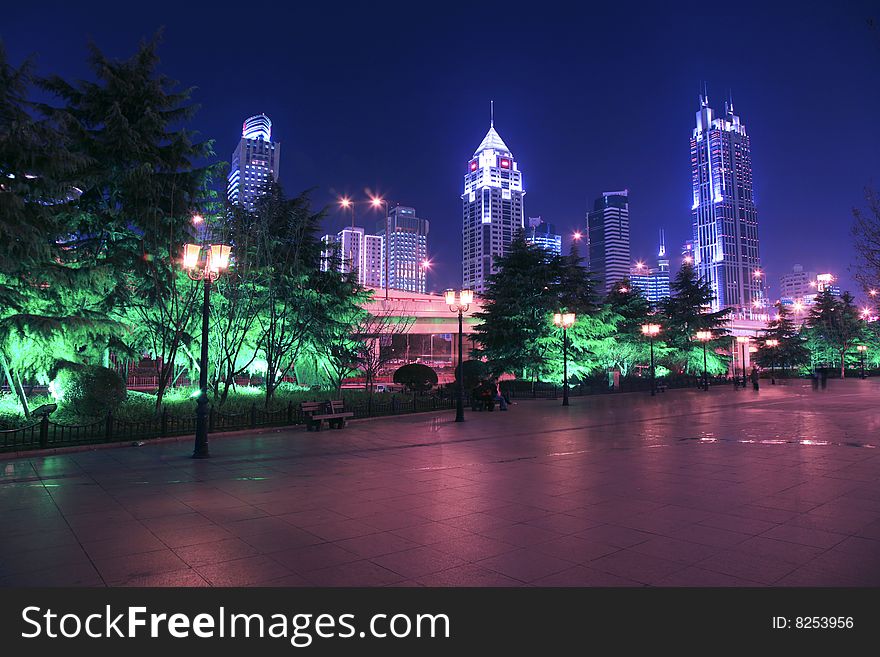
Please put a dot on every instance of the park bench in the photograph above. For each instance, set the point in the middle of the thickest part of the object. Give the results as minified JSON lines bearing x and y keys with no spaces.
{"x":314,"y":414}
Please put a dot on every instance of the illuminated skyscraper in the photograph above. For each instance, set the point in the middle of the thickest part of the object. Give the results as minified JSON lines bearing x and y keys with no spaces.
{"x":255,"y":162}
{"x":492,"y":205}
{"x":407,"y":247}
{"x":356,"y":251}
{"x":725,"y":220}
{"x":608,"y":239}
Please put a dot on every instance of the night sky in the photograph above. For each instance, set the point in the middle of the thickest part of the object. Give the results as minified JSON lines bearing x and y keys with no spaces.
{"x":394,"y":98}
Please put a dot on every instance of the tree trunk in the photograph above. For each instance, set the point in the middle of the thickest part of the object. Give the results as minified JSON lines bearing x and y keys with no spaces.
{"x":15,"y":385}
{"x":842,"y":365}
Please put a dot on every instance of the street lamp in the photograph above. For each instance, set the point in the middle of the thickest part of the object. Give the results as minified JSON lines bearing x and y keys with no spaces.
{"x":215,"y":263}
{"x":376,"y":202}
{"x":704,"y":337}
{"x":862,"y":349}
{"x":652,"y":330}
{"x":772,"y":343}
{"x":458,"y":303}
{"x":743,"y":340}
{"x":565,"y":321}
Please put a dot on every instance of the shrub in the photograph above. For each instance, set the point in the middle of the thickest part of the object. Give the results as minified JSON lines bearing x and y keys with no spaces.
{"x":474,"y":372}
{"x":87,"y":390}
{"x":416,"y":377}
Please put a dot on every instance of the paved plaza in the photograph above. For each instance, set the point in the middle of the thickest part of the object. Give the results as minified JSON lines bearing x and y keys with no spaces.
{"x":725,"y":488}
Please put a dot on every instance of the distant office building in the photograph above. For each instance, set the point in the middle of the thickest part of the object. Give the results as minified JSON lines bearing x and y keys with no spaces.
{"x":492,"y":209}
{"x":796,"y":285}
{"x":725,"y":219}
{"x":255,"y":162}
{"x":608,"y":238}
{"x":540,"y":233}
{"x":653,"y":281}
{"x":407,"y":246}
{"x":356,"y":251}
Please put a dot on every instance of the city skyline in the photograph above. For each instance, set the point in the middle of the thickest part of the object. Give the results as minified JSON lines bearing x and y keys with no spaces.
{"x":340,"y":141}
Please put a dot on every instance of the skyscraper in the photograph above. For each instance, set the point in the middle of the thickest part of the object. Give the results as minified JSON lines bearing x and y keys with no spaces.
{"x":407,"y":246}
{"x":540,"y":233}
{"x":653,"y":281}
{"x":725,"y":220}
{"x":255,"y":162}
{"x":492,"y":205}
{"x":358,"y":252}
{"x":608,"y":238}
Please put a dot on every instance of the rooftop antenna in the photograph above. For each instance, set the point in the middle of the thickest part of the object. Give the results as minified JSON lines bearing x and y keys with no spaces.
{"x":491,"y":113}
{"x":662,"y":244}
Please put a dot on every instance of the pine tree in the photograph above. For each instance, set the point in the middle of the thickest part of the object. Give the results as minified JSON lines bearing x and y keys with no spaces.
{"x":834,"y":327}
{"x":516,"y":305}
{"x":684,"y":313}
{"x":790,"y":350}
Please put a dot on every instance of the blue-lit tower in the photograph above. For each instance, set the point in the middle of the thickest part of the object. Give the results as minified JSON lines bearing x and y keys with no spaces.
{"x":492,"y":205}
{"x":255,"y":162}
{"x":725,"y":219}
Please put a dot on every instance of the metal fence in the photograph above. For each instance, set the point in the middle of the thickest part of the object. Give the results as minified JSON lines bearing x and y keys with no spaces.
{"x":48,"y":434}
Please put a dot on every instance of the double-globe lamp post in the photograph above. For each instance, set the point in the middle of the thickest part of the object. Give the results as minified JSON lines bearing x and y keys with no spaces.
{"x":215,"y":263}
{"x":651,"y":330}
{"x":772,"y":343}
{"x":458,"y":303}
{"x":565,"y":321}
{"x":704,"y":337}
{"x":862,"y":349}
{"x":743,"y":340}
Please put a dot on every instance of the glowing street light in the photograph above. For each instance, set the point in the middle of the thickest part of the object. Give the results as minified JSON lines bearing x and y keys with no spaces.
{"x":862,"y":349}
{"x":651,"y":330}
{"x":565,"y":321}
{"x":743,"y":340}
{"x":704,"y":337}
{"x":576,"y":235}
{"x":216,"y":262}
{"x":772,"y":343}
{"x":458,"y":303}
{"x":377,"y":202}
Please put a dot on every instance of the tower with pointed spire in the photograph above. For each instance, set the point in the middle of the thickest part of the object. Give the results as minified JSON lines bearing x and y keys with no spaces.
{"x":724,"y":216}
{"x":492,"y":205}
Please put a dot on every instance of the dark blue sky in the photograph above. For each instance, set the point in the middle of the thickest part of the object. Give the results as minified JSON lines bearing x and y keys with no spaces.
{"x":393,"y":97}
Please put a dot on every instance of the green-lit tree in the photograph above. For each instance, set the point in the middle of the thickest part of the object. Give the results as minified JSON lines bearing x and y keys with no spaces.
{"x":144,"y":183}
{"x":55,"y":304}
{"x":687,"y":311}
{"x":628,"y":346}
{"x":790,"y":350}
{"x":833,"y":329}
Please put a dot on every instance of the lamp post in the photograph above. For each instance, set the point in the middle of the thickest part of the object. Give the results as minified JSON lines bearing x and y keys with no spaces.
{"x":862,"y":349}
{"x":704,"y":337}
{"x":458,"y":303}
{"x":743,"y":340}
{"x":772,"y":343}
{"x":215,"y":263}
{"x":652,"y":330}
{"x":347,"y":204}
{"x":378,"y":201}
{"x":565,"y":321}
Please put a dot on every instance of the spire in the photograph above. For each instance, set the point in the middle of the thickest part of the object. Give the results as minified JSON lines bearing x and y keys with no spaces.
{"x":662,"y":244}
{"x":492,"y":140}
{"x":491,"y":113}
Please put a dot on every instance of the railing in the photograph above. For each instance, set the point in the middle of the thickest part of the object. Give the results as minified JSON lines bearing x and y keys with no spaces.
{"x":48,"y":434}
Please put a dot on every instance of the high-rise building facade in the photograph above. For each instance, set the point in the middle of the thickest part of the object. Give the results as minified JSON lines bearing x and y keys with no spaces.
{"x":492,"y":209}
{"x":407,"y":245}
{"x":608,"y":239}
{"x":540,"y":233}
{"x":653,"y":281}
{"x":255,"y":162}
{"x":724,"y":216}
{"x":797,"y":284}
{"x":356,"y":251}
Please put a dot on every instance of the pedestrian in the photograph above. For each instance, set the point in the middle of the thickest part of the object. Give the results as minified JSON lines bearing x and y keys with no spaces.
{"x":501,"y":399}
{"x":755,"y":376}
{"x":814,"y":375}
{"x":823,"y":376}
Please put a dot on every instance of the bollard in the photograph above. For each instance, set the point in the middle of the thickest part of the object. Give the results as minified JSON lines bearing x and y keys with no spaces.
{"x":44,"y":431}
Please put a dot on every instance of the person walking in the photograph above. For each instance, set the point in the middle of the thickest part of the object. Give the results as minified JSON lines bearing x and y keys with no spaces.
{"x":755,"y":376}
